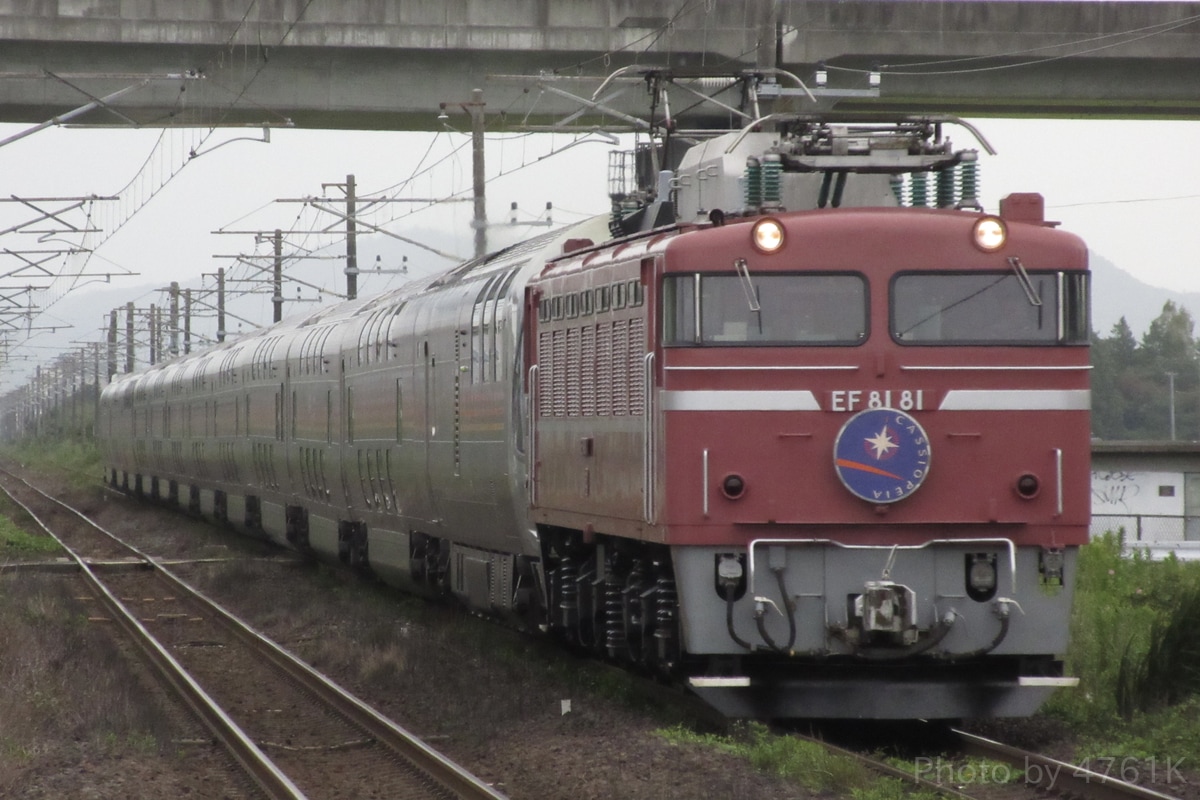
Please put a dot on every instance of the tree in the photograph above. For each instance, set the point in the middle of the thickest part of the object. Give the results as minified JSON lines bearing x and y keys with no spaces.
{"x":1131,"y":396}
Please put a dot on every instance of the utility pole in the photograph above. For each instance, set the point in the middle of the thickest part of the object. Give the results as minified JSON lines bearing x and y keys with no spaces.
{"x":475,"y":109}
{"x":187,"y":321}
{"x":351,"y":241}
{"x":221,"y":304}
{"x":96,"y":380}
{"x":37,"y":379}
{"x":1171,"y":385}
{"x":129,"y":338}
{"x":173,"y":320}
{"x":112,"y":343}
{"x":277,"y":278}
{"x":153,"y":335}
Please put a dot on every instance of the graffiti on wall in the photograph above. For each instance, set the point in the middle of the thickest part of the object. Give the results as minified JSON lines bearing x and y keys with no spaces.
{"x":1114,"y":490}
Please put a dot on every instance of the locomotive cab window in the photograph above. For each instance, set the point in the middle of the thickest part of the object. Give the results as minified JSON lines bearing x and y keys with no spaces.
{"x":772,"y":309}
{"x":991,"y":308}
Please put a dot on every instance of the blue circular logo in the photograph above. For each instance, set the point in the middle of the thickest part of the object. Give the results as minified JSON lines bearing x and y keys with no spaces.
{"x":881,"y":455}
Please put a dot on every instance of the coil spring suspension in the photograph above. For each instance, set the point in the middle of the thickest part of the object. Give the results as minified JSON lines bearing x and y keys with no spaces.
{"x":634,"y":612}
{"x":614,"y":616}
{"x":665,"y":628}
{"x":568,"y":592}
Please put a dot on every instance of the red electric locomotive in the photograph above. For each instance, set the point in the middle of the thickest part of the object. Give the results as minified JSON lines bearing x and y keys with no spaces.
{"x":834,"y":461}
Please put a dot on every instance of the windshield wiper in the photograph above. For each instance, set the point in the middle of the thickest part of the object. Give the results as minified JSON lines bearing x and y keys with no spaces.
{"x":743,"y":271}
{"x":1023,"y":279}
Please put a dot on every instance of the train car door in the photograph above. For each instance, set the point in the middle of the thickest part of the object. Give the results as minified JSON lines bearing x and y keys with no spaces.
{"x":430,"y":433}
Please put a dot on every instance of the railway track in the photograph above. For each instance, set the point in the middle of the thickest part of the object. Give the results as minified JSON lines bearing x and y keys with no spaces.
{"x":1058,"y":777}
{"x":1026,"y":773}
{"x":293,"y":732}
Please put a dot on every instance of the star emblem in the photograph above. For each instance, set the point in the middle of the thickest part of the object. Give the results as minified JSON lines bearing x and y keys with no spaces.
{"x":882,"y":443}
{"x":881,"y":455}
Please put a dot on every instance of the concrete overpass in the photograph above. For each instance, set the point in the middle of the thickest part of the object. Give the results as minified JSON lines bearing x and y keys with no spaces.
{"x":389,"y":64}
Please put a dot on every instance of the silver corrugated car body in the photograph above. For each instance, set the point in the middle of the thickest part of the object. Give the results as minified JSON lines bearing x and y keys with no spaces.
{"x":384,"y":432}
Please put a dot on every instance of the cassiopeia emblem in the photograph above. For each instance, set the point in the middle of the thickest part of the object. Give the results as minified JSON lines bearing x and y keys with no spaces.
{"x":881,"y":455}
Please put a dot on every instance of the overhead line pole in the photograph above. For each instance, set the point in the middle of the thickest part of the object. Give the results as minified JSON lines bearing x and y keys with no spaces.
{"x":351,"y":242}
{"x":277,"y":278}
{"x":475,"y":109}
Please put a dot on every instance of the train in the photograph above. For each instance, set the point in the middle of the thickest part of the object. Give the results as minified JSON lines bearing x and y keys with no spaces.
{"x":806,"y":430}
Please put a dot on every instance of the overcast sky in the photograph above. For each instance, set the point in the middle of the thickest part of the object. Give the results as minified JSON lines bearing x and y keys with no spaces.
{"x":1130,"y":189}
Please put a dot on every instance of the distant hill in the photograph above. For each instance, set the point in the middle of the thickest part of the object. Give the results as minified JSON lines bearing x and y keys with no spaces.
{"x":1116,"y":294}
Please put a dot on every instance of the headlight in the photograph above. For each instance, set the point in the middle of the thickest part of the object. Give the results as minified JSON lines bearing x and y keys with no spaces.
{"x":990,"y":234}
{"x":767,"y":235}
{"x":981,"y":576}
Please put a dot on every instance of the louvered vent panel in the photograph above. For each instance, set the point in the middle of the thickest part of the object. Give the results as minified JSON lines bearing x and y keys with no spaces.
{"x":587,"y":371}
{"x":545,"y":372}
{"x":620,"y":375}
{"x":559,"y":378}
{"x":574,"y":370}
{"x":604,"y":377}
{"x":637,"y":371}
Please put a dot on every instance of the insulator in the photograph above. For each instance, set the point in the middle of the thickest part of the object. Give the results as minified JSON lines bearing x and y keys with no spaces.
{"x":897,"y":184}
{"x":753,"y":193}
{"x":945,"y":189}
{"x":614,"y":617}
{"x":918,"y":187}
{"x":568,"y":591}
{"x":772,"y":181}
{"x":969,"y":184}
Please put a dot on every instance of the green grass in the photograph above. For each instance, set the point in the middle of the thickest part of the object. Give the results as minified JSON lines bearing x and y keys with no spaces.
{"x":806,"y":763}
{"x":1135,"y":646}
{"x":13,"y":540}
{"x":77,"y":460}
{"x":802,"y":762}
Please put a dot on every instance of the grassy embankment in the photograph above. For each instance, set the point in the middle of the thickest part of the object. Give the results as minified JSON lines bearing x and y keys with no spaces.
{"x":73,"y":459}
{"x":1135,"y":645}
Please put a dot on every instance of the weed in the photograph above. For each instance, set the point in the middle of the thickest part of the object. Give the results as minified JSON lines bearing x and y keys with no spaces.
{"x":16,"y":541}
{"x":65,"y":680}
{"x":77,"y":459}
{"x":807,"y":763}
{"x":890,"y":789}
{"x":1135,"y":647}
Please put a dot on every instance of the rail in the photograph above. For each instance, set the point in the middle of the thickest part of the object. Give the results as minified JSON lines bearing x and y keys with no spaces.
{"x":237,"y":743}
{"x":1052,"y":775}
{"x":441,"y":771}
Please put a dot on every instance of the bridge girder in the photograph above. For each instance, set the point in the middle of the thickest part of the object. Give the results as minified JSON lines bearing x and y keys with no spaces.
{"x":383,"y":64}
